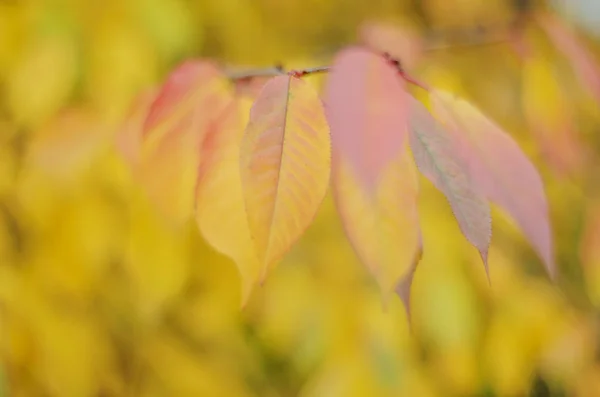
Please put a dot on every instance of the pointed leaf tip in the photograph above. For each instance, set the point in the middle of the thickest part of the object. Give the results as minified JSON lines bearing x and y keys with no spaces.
{"x":367,"y":112}
{"x":220,"y":210}
{"x":441,"y":159}
{"x":285,"y":164}
{"x":500,"y":170}
{"x":404,"y":286}
{"x":382,"y":226}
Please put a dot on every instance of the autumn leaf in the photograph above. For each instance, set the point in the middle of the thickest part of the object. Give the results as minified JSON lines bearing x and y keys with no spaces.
{"x":366,"y":110}
{"x":549,"y":114}
{"x":195,"y":94}
{"x":589,"y":252}
{"x":285,"y":165}
{"x":383,"y":228}
{"x":581,"y":59}
{"x":220,"y":209}
{"x":500,"y":169}
{"x":441,"y":159}
{"x":129,"y":137}
{"x":66,"y":145}
{"x":404,"y":286}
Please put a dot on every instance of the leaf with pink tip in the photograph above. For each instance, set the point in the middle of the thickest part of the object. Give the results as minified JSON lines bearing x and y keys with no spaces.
{"x":366,"y":110}
{"x":220,"y":209}
{"x":383,"y":226}
{"x":501,"y":170}
{"x":193,"y":97}
{"x":441,"y":159}
{"x":285,"y":165}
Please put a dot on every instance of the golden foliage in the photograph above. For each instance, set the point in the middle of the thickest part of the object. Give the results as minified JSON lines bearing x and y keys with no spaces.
{"x":100,"y":295}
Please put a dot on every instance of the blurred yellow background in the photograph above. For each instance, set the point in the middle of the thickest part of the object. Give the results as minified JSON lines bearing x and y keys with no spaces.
{"x":100,"y":297}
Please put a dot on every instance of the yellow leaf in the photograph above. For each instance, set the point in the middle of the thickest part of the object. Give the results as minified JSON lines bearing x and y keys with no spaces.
{"x":285,"y":165}
{"x":193,"y":97}
{"x":383,"y":227}
{"x":548,"y":113}
{"x":42,"y":80}
{"x":156,"y":260}
{"x":121,"y":62}
{"x":220,"y":210}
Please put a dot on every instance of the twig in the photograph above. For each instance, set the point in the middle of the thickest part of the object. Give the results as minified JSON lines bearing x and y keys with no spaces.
{"x":249,"y":74}
{"x":298,"y":73}
{"x":510,"y":34}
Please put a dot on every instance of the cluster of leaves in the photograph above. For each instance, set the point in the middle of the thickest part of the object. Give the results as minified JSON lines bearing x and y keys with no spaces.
{"x":253,"y":166}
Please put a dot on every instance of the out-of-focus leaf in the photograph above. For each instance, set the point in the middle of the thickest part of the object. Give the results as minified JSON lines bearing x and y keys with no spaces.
{"x":193,"y":98}
{"x":589,"y":252}
{"x":67,"y":144}
{"x":366,"y":111}
{"x":549,"y":114}
{"x":383,"y":228}
{"x":155,"y":260}
{"x":285,"y":165}
{"x":121,"y":63}
{"x":500,"y":170}
{"x":180,"y":370}
{"x":401,"y":43}
{"x":581,"y":59}
{"x":442,"y":160}
{"x":129,"y":137}
{"x":220,"y":209}
{"x":169,"y":23}
{"x":41,"y":82}
{"x":71,"y":352}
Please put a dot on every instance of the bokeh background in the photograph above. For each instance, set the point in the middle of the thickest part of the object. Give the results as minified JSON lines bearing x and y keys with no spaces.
{"x":100,"y":297}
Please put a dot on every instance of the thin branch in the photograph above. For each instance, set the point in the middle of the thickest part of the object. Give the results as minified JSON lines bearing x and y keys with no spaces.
{"x":473,"y":40}
{"x":248,"y":74}
{"x":309,"y":71}
{"x":298,"y":73}
{"x":275,"y":71}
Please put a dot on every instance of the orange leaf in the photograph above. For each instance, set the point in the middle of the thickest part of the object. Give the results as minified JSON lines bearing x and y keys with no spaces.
{"x":501,"y":170}
{"x":442,"y":160}
{"x":366,"y":101}
{"x":129,"y":138}
{"x":285,"y":165}
{"x":193,"y":98}
{"x":220,"y":209}
{"x":383,"y":228}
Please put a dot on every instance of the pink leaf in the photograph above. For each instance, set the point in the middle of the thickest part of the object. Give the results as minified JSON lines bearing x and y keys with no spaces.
{"x":581,"y":59}
{"x":501,"y":170}
{"x":366,"y":112}
{"x":440,"y":158}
